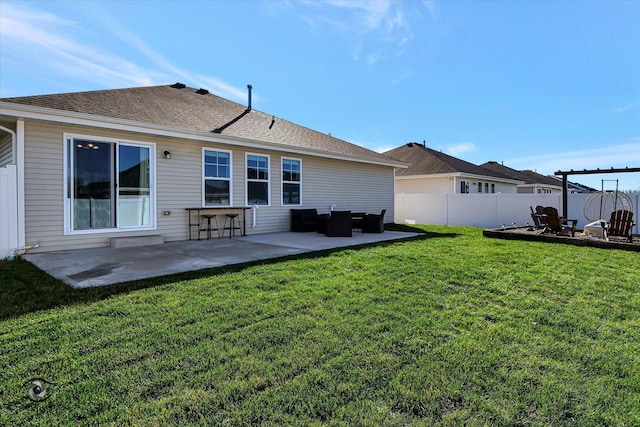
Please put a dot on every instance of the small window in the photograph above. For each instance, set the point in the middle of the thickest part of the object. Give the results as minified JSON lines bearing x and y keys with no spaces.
{"x":257,"y":179}
{"x":493,"y":188}
{"x":464,"y":187}
{"x":291,"y":175}
{"x":479,"y":187}
{"x":217,"y":178}
{"x":486,"y":187}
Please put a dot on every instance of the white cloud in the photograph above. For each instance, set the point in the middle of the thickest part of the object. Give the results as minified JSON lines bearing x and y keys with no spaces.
{"x":616,"y":156}
{"x":628,"y":107}
{"x":458,"y":149}
{"x":212,"y":84}
{"x":430,"y":5}
{"x":378,"y":29}
{"x":44,"y":40}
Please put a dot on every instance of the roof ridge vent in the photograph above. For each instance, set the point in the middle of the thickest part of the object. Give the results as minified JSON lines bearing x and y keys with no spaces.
{"x":202,"y":91}
{"x":178,"y":85}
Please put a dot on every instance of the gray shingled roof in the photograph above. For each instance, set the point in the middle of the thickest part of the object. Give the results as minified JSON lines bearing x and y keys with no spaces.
{"x":528,"y":176}
{"x":426,"y":161}
{"x":180,"y":107}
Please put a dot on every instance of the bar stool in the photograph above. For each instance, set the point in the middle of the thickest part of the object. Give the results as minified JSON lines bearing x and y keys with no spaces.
{"x":233,"y":219}
{"x":208,"y":228}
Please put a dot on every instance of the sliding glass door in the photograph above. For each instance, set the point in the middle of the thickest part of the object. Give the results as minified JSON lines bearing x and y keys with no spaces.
{"x":93,"y":185}
{"x":109,"y":185}
{"x":134,"y":186}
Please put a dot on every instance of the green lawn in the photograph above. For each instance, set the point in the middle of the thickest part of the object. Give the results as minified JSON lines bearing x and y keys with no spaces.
{"x":450,"y":329}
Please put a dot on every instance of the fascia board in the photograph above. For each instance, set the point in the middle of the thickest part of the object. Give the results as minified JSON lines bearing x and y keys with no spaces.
{"x":71,"y":117}
{"x":461,"y":175}
{"x":492,"y":178}
{"x":555,"y":187}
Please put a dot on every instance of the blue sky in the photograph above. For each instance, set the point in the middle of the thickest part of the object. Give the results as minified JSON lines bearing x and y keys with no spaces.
{"x":542,"y":85}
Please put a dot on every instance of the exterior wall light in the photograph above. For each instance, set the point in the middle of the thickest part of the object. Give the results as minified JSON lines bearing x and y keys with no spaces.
{"x":167,"y":155}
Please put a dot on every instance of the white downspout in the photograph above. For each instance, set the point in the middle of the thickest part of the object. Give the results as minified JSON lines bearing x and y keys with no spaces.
{"x":254,"y":219}
{"x":20,"y":193}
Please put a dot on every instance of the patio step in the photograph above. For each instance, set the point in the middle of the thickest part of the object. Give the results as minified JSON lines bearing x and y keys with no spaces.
{"x":131,"y":241}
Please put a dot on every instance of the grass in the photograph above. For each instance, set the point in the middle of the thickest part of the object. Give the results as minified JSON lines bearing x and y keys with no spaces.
{"x":452,"y":329}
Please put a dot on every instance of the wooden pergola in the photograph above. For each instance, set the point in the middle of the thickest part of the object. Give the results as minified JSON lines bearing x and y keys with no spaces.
{"x":564,"y":175}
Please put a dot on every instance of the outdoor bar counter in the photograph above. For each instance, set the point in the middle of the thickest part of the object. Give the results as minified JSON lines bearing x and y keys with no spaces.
{"x":215,"y":210}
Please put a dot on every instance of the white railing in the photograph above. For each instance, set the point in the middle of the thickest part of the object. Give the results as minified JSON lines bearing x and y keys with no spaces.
{"x":8,"y":210}
{"x":488,"y":210}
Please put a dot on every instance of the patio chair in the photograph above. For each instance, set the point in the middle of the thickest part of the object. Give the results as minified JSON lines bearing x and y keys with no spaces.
{"x":303,"y":220}
{"x":557,"y":224}
{"x":619,"y":225}
{"x":373,"y":223}
{"x":538,"y":217}
{"x":339,"y":224}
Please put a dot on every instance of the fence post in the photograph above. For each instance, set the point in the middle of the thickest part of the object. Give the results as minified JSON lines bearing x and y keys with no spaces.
{"x":8,"y":210}
{"x":446,"y":208}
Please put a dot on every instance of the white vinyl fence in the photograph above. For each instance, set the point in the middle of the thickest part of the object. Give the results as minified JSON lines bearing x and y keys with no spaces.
{"x":488,"y":210}
{"x":8,"y":210}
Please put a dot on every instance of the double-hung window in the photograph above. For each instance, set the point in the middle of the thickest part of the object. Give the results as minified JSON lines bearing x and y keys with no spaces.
{"x":291,"y":175}
{"x":109,"y":185}
{"x":257,"y":179}
{"x":216,"y":171}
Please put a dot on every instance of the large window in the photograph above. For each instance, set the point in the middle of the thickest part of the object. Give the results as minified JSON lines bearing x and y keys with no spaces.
{"x":217,"y":178}
{"x":291,"y":181}
{"x":257,"y":179}
{"x":109,"y":185}
{"x":464,"y":187}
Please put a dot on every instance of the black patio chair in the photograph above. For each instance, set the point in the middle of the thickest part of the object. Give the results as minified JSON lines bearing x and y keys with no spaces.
{"x":339,"y":224}
{"x":373,"y":223}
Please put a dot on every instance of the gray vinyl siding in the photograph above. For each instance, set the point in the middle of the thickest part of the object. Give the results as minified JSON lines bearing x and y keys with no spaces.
{"x":5,"y":149}
{"x":348,"y":185}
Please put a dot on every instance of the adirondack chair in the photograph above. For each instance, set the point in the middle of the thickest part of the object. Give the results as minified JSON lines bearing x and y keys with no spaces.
{"x":557,"y":224}
{"x":619,"y":225}
{"x":538,"y":217}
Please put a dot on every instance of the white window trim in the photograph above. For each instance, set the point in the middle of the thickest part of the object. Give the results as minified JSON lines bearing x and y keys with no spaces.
{"x":68,"y":230}
{"x":246,"y":177}
{"x":230,"y":174}
{"x":282,"y":181}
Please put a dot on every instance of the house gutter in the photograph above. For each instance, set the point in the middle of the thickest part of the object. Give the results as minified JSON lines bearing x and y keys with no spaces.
{"x":83,"y":119}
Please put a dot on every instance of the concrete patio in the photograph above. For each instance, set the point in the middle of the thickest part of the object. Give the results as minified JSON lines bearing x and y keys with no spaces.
{"x":104,"y":266}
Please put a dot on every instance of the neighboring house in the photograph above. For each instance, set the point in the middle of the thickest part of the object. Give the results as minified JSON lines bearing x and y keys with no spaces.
{"x":127,"y":162}
{"x":433,"y":172}
{"x":574,"y":187}
{"x":533,"y":182}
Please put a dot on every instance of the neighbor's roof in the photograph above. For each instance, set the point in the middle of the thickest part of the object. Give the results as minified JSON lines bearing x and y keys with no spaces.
{"x":186,"y":109}
{"x":528,"y":176}
{"x":426,"y":161}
